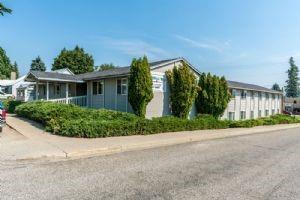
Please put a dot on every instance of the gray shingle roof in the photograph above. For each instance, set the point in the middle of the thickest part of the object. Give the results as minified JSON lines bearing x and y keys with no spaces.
{"x":239,"y":85}
{"x":44,"y":76}
{"x":106,"y":73}
{"x":119,"y":71}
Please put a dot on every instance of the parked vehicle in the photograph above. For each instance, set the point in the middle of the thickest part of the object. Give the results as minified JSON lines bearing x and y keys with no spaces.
{"x":6,"y":96}
{"x":2,"y":116}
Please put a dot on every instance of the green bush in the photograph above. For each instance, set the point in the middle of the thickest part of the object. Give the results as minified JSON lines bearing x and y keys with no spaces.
{"x":10,"y":105}
{"x":74,"y":121}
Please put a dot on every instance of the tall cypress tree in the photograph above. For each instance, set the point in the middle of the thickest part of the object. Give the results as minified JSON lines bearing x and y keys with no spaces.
{"x":140,"y":86}
{"x":292,"y":87}
{"x":213,"y":95}
{"x":183,"y":90}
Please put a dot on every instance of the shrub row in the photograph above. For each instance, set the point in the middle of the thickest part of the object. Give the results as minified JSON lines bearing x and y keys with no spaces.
{"x":73,"y":121}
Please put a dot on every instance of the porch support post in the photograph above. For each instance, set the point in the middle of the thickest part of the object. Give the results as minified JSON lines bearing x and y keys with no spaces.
{"x":47,"y":92}
{"x":37,"y":90}
{"x":67,"y":93}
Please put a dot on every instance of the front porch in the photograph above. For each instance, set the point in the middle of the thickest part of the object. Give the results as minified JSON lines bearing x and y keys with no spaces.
{"x":59,"y":92}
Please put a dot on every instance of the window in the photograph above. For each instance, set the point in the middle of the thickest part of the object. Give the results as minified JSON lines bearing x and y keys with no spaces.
{"x":122,"y":86}
{"x":259,"y":96}
{"x":252,"y":114}
{"x":267,"y":96}
{"x":278,"y":111}
{"x":20,"y":93}
{"x":243,"y":94}
{"x":233,"y":93}
{"x":252,"y":95}
{"x":259,"y":113}
{"x":273,"y":96}
{"x":231,"y":116}
{"x":243,"y":115}
{"x":273,"y":111}
{"x":266,"y":113}
{"x":57,"y":89}
{"x":98,"y":87}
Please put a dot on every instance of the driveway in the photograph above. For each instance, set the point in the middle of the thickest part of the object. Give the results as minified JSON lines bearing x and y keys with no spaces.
{"x":261,"y":166}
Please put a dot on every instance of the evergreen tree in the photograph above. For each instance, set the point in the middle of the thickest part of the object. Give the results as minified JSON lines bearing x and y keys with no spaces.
{"x":5,"y":65}
{"x":292,"y":87}
{"x":183,"y":90}
{"x":276,"y":87}
{"x":213,"y":95}
{"x":4,"y":9}
{"x":38,"y":65}
{"x":76,"y":60}
{"x":106,"y":67}
{"x":140,"y":86}
{"x":16,"y":69}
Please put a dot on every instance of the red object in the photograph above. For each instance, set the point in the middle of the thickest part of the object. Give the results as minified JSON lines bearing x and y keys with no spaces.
{"x":3,"y":114}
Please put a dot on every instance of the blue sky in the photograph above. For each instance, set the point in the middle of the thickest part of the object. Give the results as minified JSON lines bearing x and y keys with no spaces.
{"x":249,"y":41}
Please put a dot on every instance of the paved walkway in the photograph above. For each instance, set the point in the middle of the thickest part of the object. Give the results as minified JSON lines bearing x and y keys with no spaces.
{"x":33,"y":142}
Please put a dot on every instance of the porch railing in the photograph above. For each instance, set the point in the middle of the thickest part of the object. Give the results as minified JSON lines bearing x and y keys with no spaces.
{"x":79,"y":101}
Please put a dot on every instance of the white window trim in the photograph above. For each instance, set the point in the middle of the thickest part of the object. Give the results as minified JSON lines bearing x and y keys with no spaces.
{"x":121,"y":86}
{"x":97,"y":89}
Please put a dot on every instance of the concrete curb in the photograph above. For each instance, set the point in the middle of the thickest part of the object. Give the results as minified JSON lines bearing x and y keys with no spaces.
{"x":107,"y":146}
{"x":149,"y":145}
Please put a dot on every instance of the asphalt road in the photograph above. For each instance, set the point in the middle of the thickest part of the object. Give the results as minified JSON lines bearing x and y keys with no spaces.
{"x":261,"y":166}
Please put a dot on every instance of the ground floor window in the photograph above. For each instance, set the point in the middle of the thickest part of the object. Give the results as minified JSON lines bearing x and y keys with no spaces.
{"x":252,"y":114}
{"x":273,"y":111}
{"x":278,"y":111}
{"x":243,"y":115}
{"x":266,"y":113}
{"x":98,"y":87}
{"x":259,"y":113}
{"x":231,"y":116}
{"x":122,"y":86}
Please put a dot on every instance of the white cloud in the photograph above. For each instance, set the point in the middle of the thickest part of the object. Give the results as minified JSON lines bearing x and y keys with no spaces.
{"x":135,"y":47}
{"x":211,"y":45}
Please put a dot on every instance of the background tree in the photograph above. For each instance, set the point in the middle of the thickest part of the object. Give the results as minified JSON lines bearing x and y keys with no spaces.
{"x":276,"y":87}
{"x":213,"y":95}
{"x":292,"y":87}
{"x":106,"y":66}
{"x":76,"y":60}
{"x":16,"y":69}
{"x":4,"y":9}
{"x":5,"y":65}
{"x":183,"y":90}
{"x":38,"y":65}
{"x":140,"y":86}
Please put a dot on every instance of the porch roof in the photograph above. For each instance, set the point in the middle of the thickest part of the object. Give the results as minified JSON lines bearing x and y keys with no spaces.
{"x":52,"y":76}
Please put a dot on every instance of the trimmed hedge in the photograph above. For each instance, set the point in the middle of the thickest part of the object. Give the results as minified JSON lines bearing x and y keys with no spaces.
{"x":74,"y":121}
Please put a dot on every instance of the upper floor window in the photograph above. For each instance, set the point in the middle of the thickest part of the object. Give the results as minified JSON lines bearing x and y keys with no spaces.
{"x":259,"y":95}
{"x":243,"y":94}
{"x":122,"y":86}
{"x":98,"y":87}
{"x":233,"y":93}
{"x":252,"y":94}
{"x":273,"y":96}
{"x":267,"y":96}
